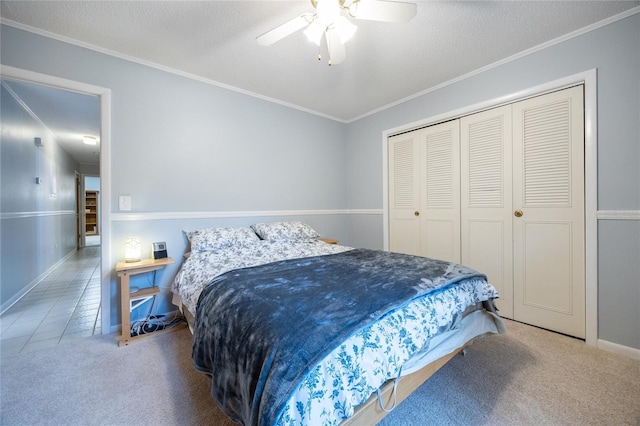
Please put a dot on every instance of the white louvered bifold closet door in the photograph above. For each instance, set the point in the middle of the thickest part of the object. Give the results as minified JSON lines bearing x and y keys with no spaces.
{"x":486,"y":192}
{"x":404,"y":193}
{"x":501,"y":191}
{"x":424,"y":192}
{"x":440,"y":191}
{"x":548,"y":189}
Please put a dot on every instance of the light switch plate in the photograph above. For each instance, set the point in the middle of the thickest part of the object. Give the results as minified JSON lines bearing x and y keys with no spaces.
{"x":124,"y":202}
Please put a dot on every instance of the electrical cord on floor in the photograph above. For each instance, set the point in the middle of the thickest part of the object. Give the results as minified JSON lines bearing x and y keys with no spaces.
{"x":156,"y":322}
{"x":153,"y":323}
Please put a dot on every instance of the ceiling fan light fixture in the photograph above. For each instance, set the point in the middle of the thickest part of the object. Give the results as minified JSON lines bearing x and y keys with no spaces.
{"x":314,"y":32}
{"x":328,"y":11}
{"x":345,"y":28}
{"x":330,"y":21}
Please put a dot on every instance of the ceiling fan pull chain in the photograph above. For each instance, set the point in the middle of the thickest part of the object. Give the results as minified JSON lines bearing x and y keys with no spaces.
{"x":326,"y":39}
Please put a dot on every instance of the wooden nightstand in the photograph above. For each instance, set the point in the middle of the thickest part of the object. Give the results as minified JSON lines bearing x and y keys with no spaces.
{"x":329,"y":240}
{"x":124,"y":271}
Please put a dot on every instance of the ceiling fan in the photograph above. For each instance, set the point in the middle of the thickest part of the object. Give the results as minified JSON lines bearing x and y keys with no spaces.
{"x":330,"y":20}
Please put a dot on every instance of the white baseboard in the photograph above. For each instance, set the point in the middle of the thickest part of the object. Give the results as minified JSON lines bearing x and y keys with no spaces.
{"x":619,"y":349}
{"x":13,"y":300}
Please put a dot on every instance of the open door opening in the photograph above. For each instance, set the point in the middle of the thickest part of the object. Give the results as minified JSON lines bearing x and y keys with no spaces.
{"x":58,"y":114}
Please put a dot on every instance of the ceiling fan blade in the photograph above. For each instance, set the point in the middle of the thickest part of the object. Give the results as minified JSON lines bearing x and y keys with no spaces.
{"x":385,"y":11}
{"x":281,"y":31}
{"x":336,"y":48}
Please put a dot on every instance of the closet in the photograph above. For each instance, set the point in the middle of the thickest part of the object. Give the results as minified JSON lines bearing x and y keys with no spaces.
{"x":501,"y":191}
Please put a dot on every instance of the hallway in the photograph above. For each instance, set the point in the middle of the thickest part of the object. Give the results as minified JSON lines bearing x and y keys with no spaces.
{"x":64,"y":305}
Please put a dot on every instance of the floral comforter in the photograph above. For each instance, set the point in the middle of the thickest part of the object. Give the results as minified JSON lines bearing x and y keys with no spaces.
{"x":320,"y":382}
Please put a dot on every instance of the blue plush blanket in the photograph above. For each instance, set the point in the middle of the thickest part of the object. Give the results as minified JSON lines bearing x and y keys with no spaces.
{"x":259,"y":330}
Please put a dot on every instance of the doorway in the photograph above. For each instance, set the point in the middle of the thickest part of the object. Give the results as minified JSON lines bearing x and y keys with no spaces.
{"x":102,"y":99}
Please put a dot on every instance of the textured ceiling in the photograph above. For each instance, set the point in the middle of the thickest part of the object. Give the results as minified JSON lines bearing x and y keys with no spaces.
{"x":385,"y":62}
{"x":215,"y":40}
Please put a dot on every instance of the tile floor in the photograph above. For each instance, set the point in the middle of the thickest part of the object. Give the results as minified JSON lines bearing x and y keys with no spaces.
{"x":64,"y":305}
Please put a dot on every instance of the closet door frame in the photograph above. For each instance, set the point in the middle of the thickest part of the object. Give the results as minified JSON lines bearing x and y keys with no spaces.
{"x":589,"y":79}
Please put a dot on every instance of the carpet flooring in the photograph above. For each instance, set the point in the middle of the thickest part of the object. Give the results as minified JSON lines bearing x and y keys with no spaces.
{"x":527,"y":376}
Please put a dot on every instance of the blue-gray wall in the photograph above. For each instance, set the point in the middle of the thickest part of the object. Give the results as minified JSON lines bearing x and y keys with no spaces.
{"x":180,"y":147}
{"x":38,"y":220}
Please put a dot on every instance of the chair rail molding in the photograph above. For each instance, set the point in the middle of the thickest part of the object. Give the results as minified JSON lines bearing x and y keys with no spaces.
{"x":619,"y":214}
{"x":118,"y":217}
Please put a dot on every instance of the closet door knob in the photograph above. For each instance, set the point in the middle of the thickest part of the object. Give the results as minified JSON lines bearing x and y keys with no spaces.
{"x":518,"y":213}
{"x":416,"y":213}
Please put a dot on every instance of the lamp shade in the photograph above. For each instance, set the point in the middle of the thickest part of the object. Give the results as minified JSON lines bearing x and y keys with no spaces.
{"x":132,"y":249}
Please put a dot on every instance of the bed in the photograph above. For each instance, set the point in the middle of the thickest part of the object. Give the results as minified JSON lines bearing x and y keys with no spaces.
{"x":294,"y":331}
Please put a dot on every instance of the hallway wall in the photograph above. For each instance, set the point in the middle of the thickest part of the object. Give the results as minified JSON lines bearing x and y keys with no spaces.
{"x":38,"y":219}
